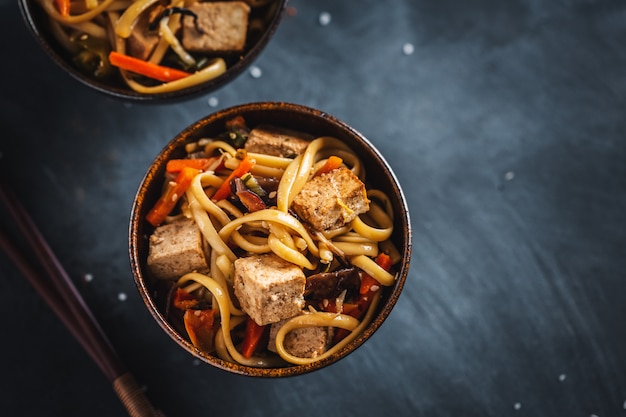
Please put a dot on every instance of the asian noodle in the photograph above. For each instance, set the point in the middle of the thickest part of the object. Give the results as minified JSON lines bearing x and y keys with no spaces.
{"x":229,"y":231}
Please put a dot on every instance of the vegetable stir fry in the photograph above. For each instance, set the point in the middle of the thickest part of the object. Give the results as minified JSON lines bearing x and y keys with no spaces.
{"x":271,"y":246}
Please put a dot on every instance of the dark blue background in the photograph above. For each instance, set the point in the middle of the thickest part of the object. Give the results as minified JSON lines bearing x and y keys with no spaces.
{"x":506,"y":128}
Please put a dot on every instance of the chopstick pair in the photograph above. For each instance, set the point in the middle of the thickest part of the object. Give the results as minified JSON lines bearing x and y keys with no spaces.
{"x":59,"y":292}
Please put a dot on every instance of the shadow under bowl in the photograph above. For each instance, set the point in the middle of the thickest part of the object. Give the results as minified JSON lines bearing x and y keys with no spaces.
{"x":38,"y":23}
{"x":305,"y":119}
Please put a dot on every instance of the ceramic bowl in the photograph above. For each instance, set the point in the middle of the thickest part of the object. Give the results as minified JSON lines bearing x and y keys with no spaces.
{"x":316,"y":122}
{"x":266,"y":19}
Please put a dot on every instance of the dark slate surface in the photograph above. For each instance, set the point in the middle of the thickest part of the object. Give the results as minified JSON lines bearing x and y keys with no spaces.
{"x":506,"y":127}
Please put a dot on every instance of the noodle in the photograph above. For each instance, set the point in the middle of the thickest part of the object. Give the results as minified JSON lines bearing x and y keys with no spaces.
{"x":127,"y":19}
{"x":317,"y":319}
{"x":375,"y":271}
{"x":272,"y":216}
{"x":215,"y":68}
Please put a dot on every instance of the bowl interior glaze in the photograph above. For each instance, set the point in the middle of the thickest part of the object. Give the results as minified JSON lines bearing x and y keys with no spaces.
{"x":379,"y":175}
{"x":37,"y":22}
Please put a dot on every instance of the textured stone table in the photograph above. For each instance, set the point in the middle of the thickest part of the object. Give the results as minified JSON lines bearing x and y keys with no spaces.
{"x":505,"y":122}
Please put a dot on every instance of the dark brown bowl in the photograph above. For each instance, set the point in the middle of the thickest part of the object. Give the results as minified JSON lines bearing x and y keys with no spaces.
{"x":379,"y":175}
{"x":37,"y":22}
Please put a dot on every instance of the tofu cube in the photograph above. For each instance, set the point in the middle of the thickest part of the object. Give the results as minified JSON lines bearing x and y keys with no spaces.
{"x":223,"y":27}
{"x":268,"y":288}
{"x":331,"y":200}
{"x":277,"y":141}
{"x":176,"y":249}
{"x":306,"y":342}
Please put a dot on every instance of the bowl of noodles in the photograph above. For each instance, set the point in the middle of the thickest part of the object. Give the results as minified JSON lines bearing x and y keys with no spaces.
{"x":269,"y":239}
{"x":153,"y":50}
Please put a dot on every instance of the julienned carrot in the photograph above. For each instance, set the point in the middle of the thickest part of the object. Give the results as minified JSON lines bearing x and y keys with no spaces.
{"x":176,"y":165}
{"x":63,"y":6}
{"x":333,"y":162}
{"x":244,"y":167}
{"x":139,"y":66}
{"x":170,"y":197}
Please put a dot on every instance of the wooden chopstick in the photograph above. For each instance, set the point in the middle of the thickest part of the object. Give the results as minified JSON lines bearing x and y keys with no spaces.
{"x":62,"y":296}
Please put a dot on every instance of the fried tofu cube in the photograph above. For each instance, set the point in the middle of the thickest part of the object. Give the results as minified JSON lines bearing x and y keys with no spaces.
{"x":268,"y":288}
{"x":176,"y":249}
{"x":331,"y":200}
{"x":277,"y":141}
{"x":306,"y":342}
{"x":221,"y":27}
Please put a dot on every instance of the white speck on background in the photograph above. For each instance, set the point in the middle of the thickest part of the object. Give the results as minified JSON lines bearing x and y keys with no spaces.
{"x":517,"y":406}
{"x":509,"y":175}
{"x":213,"y":102}
{"x":593,"y":415}
{"x":624,"y":405}
{"x":324,"y":19}
{"x":88,"y":277}
{"x":128,"y":105}
{"x":196,"y":362}
{"x":562,"y":377}
{"x":122,"y":296}
{"x":408,"y":49}
{"x":255,"y":72}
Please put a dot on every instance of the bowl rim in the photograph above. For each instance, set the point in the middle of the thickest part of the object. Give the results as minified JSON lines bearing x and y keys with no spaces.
{"x":141,"y":281}
{"x":127,"y":94}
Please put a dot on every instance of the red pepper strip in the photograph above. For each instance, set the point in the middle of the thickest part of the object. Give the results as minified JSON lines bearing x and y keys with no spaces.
{"x":139,"y":66}
{"x":63,"y":6}
{"x":252,"y":337}
{"x":333,"y":162}
{"x":384,"y":261}
{"x":183,"y":300}
{"x":176,"y":165}
{"x":170,"y":197}
{"x":369,"y":286}
{"x":244,"y":167}
{"x":200,"y":328}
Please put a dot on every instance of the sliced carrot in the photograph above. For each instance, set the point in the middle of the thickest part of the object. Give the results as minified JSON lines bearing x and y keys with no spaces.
{"x":63,"y":6}
{"x":176,"y":165}
{"x":141,"y":67}
{"x":333,"y":162}
{"x":170,"y":197}
{"x":244,"y":167}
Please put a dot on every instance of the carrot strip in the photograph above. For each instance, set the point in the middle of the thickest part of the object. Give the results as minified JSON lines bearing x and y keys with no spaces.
{"x":244,"y":167}
{"x":176,"y":165}
{"x":333,"y":162}
{"x":170,"y":197}
{"x":138,"y":66}
{"x":63,"y":6}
